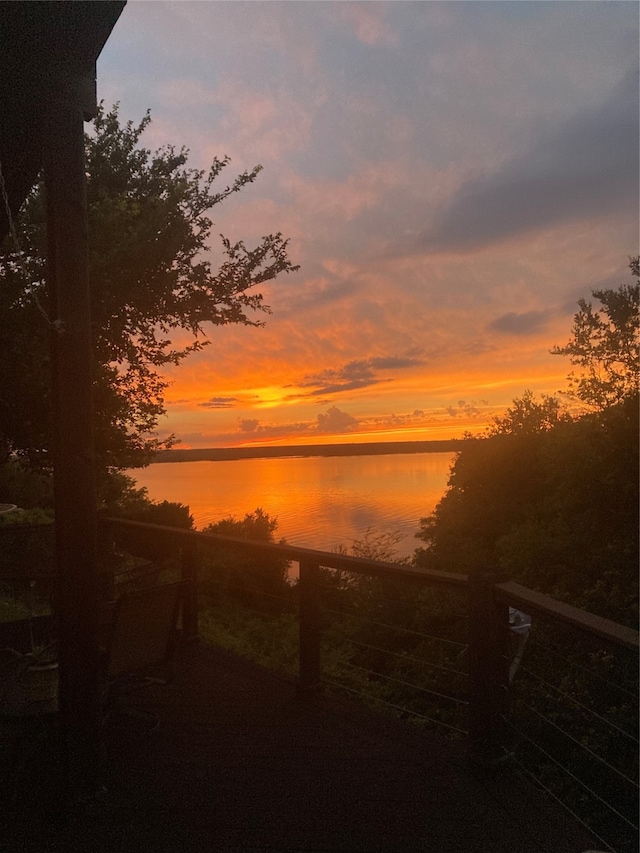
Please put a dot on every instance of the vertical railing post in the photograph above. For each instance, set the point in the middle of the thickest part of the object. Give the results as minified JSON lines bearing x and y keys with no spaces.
{"x":309,"y":628}
{"x":189,"y":566}
{"x":488,"y":670}
{"x":74,"y":477}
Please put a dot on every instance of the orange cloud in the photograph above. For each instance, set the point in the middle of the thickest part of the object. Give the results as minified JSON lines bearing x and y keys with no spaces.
{"x":448,"y":196}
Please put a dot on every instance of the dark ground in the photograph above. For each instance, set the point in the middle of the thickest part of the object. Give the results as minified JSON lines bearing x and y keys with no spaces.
{"x":237,"y":763}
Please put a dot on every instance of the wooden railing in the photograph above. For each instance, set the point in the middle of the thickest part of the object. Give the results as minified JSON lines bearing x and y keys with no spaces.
{"x":493,"y":706}
{"x":193,"y":544}
{"x":488,"y":603}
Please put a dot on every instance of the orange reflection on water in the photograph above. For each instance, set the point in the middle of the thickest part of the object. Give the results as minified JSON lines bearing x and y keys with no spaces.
{"x":320,"y":502}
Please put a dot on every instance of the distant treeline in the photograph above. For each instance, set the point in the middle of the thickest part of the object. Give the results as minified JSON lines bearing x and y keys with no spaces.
{"x":218,"y":454}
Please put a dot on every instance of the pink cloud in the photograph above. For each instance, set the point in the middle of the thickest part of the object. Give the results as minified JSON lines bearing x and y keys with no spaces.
{"x":368,"y":22}
{"x":260,"y":126}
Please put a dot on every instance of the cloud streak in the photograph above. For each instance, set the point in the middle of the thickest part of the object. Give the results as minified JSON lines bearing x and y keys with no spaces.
{"x":220,"y":403}
{"x":359,"y":373}
{"x":586,"y":167}
{"x":527,"y":323}
{"x":452,"y":176}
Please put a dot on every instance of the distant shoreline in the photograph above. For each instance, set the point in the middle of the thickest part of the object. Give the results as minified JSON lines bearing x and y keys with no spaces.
{"x":376,"y":448}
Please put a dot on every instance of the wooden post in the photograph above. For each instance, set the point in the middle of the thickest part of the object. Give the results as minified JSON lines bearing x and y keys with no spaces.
{"x":73,"y":449}
{"x":309,"y":627}
{"x":488,"y":670}
{"x":190,"y":599}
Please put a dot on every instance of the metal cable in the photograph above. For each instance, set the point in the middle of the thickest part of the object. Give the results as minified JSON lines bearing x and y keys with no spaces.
{"x":396,"y":707}
{"x":569,"y":773}
{"x":563,"y":804}
{"x":138,"y":574}
{"x":406,"y":657}
{"x":394,"y":627}
{"x":444,"y":613}
{"x":576,"y":702}
{"x":391,"y":600}
{"x":581,"y":745}
{"x":405,"y":683}
{"x":586,"y":669}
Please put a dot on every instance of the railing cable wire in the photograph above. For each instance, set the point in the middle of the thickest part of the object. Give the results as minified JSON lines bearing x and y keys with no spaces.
{"x":581,"y":745}
{"x":569,"y":773}
{"x":392,"y":600}
{"x":406,"y":683}
{"x":585,"y":669}
{"x":395,"y":627}
{"x":562,"y":804}
{"x":258,"y":592}
{"x":271,"y":617}
{"x":396,"y":707}
{"x":406,"y":657}
{"x":579,"y":704}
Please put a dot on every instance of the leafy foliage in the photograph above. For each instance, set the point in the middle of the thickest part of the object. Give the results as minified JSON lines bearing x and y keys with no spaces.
{"x":24,"y":487}
{"x":527,"y":416}
{"x":555,"y":510}
{"x":269,"y":639}
{"x":154,"y":292}
{"x":549,"y":500}
{"x":377,"y":545}
{"x":605,"y":345}
{"x":254,"y":580}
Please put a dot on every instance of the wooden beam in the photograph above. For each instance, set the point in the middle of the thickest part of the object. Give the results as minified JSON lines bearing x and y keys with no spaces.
{"x":488,"y":670}
{"x":309,"y":630}
{"x":536,"y":602}
{"x":74,"y":476}
{"x":344,"y":562}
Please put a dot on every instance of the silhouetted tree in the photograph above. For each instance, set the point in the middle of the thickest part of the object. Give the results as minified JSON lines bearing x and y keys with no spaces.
{"x":154,"y":291}
{"x":605,"y":345}
{"x":552,"y":500}
{"x":556,"y":510}
{"x":244,"y":575}
{"x":527,"y":416}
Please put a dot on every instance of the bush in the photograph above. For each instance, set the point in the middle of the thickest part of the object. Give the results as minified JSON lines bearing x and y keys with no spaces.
{"x":254,"y":579}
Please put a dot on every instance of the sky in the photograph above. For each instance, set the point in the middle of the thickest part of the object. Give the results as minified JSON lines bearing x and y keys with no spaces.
{"x":452,"y":177}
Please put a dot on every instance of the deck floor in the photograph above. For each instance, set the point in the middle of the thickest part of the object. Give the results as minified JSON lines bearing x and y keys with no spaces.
{"x":238,"y":763}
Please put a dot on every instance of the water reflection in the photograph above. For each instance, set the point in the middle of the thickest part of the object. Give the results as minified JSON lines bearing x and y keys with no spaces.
{"x":320,"y":502}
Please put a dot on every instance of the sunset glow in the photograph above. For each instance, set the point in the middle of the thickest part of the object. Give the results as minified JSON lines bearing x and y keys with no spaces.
{"x":452,"y":178}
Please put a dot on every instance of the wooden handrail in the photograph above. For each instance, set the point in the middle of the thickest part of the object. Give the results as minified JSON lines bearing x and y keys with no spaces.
{"x":536,"y":602}
{"x":509,"y":592}
{"x":328,"y":559}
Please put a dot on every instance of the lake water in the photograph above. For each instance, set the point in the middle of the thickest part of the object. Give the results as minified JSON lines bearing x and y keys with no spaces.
{"x":320,"y":502}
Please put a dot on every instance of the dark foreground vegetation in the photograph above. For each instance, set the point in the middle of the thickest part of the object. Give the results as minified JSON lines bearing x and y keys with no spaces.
{"x":549,"y":496}
{"x":154,"y":280}
{"x":555,"y":509}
